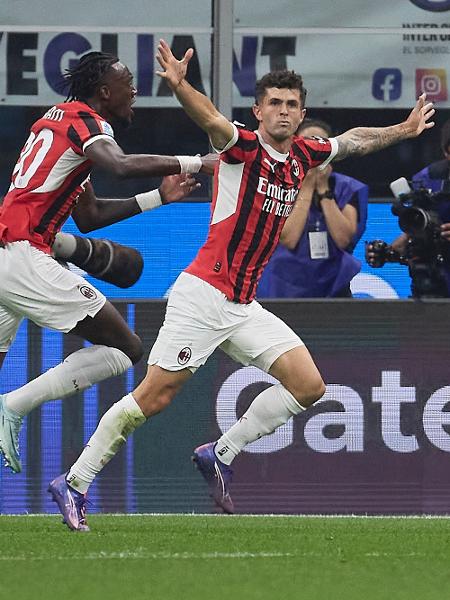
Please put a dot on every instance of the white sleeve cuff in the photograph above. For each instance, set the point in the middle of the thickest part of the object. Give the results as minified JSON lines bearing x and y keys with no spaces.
{"x":231,"y":143}
{"x":101,"y":136}
{"x":334,"y":148}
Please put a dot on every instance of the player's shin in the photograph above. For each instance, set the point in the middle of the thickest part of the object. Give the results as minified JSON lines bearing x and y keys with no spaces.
{"x":270,"y":409}
{"x":76,"y":373}
{"x":112,"y":431}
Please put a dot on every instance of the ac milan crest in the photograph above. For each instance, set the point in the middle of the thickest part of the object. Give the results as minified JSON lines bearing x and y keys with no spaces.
{"x":87,"y":292}
{"x":184,"y":355}
{"x":295,"y":167}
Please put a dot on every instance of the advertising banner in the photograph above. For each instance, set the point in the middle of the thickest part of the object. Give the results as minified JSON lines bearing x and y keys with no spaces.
{"x":377,"y":443}
{"x":351,"y":54}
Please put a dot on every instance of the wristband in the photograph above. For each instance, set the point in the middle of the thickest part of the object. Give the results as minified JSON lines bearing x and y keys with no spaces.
{"x":149,"y":200}
{"x":189,"y":164}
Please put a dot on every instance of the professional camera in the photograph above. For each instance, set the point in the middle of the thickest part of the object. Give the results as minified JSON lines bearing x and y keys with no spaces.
{"x":425,"y":251}
{"x":416,"y":210}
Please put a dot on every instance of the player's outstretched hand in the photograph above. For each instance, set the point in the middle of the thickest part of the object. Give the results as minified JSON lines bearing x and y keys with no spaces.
{"x":174,"y":188}
{"x":419,"y":117}
{"x":174,"y":70}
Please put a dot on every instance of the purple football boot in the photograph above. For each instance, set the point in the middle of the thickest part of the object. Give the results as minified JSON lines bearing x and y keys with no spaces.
{"x":71,"y":503}
{"x":216,"y":474}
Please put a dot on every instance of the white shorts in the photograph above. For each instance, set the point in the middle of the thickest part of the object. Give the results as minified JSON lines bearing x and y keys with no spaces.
{"x":35,"y":286}
{"x":199,"y":318}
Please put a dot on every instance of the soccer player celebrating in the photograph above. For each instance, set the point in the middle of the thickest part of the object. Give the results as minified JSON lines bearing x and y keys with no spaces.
{"x":49,"y":183}
{"x":212,"y":304}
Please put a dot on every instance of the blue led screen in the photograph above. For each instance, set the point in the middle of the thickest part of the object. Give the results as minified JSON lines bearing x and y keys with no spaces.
{"x":169,"y":237}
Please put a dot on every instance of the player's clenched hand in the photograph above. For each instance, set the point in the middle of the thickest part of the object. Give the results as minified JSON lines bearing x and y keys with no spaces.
{"x":174,"y":70}
{"x":174,"y":188}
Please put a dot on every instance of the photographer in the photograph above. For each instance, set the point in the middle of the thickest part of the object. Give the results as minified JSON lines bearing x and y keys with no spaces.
{"x":424,"y":247}
{"x":314,"y":258}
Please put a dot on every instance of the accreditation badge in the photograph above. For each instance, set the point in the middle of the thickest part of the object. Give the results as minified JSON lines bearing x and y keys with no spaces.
{"x":318,"y":244}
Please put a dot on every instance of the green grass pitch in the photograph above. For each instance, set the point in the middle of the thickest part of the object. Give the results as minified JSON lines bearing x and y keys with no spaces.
{"x":196,"y":557}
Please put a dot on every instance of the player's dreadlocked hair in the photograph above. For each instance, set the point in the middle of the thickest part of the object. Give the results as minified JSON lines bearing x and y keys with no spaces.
{"x":280,"y":79}
{"x":83,"y":80}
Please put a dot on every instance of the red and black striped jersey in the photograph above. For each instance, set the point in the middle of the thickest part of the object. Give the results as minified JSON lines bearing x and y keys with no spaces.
{"x":50,"y":174}
{"x":255,"y":188}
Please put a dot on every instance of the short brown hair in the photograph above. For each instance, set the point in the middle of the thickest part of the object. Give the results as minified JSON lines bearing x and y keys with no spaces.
{"x":280,"y":79}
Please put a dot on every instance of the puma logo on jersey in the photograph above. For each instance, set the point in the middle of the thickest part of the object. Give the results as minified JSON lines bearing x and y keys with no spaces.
{"x":271,"y":165}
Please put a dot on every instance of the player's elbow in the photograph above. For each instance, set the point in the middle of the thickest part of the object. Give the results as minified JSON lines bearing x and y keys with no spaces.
{"x":86,"y":222}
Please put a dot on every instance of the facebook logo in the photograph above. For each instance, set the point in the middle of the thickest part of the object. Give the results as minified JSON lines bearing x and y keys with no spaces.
{"x":387,"y":84}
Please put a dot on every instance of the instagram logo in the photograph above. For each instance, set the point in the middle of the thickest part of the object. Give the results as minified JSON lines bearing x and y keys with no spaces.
{"x":433,"y":82}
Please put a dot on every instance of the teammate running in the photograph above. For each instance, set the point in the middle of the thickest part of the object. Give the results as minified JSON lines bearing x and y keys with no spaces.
{"x":49,"y":183}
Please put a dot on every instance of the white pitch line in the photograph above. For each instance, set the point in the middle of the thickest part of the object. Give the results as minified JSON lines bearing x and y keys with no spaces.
{"x":133,"y":555}
{"x":238,"y":516}
{"x":151,"y":555}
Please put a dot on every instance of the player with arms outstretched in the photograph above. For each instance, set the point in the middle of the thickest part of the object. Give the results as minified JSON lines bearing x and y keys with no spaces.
{"x":257,"y":185}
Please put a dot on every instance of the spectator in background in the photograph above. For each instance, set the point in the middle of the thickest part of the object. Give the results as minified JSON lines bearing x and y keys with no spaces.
{"x":314,"y":258}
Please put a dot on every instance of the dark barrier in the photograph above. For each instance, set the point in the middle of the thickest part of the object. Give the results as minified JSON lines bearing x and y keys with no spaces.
{"x":379,"y":442}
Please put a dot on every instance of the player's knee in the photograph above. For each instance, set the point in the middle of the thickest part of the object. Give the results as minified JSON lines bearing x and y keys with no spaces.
{"x":307,"y":395}
{"x":315,"y":392}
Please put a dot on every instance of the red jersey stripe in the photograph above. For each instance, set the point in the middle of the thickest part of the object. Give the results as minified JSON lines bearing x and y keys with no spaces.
{"x":240,"y":245}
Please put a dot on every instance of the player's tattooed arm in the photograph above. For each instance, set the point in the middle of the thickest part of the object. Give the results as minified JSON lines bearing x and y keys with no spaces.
{"x":364,"y":140}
